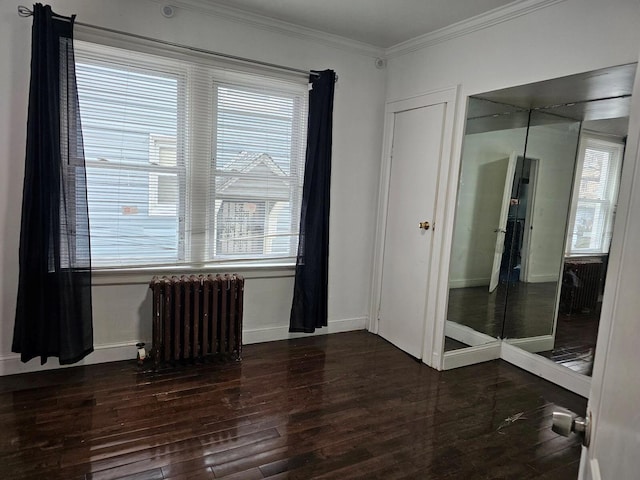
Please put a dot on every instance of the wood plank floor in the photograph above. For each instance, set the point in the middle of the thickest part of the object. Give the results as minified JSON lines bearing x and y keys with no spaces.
{"x":340,"y":406}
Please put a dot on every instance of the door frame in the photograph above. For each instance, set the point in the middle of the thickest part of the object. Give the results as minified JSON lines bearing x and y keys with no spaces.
{"x":433,"y":341}
{"x":528,"y":223}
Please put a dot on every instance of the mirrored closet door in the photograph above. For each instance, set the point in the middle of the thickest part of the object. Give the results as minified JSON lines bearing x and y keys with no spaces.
{"x":535,"y":211}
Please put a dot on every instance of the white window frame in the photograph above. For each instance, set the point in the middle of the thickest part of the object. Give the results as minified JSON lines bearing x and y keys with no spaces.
{"x":614,"y":145}
{"x":200,"y":80}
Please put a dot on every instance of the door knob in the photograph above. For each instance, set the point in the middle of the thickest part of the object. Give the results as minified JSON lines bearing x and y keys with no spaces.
{"x":500,"y":230}
{"x":424,"y":225}
{"x":565,"y":422}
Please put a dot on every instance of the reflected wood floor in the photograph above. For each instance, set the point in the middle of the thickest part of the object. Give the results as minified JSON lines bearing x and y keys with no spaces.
{"x":575,"y":344}
{"x":529,"y":313}
{"x":340,"y":406}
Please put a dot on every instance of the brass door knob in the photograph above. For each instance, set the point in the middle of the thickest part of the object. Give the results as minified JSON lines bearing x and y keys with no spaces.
{"x":424,"y":225}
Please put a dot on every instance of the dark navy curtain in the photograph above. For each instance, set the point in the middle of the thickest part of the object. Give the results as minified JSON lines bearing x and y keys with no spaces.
{"x":310,"y":295}
{"x":53,"y":313}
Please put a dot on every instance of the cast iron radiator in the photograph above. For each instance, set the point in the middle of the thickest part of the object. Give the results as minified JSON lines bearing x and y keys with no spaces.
{"x":581,"y":284}
{"x":196,"y":316}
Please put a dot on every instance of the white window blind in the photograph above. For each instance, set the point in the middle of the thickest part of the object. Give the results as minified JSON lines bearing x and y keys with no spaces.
{"x":595,"y":194}
{"x":188,"y":163}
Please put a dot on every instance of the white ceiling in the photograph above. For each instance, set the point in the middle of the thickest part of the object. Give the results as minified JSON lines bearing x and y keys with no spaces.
{"x":382,"y":23}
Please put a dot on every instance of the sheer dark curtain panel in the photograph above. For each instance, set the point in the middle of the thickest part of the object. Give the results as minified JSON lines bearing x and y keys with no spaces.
{"x":53,"y":313}
{"x":310,"y":294}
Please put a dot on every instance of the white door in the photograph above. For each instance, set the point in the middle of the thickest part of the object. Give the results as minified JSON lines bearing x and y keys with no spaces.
{"x":615,"y":385}
{"x":501,"y":229}
{"x":417,"y":148}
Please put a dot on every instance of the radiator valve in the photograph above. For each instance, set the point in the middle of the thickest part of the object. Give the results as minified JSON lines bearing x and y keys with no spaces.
{"x":142,"y":354}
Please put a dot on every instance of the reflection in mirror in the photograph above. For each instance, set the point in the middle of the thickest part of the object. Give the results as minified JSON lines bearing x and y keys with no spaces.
{"x":588,"y":232}
{"x":495,"y":136}
{"x":535,"y":212}
{"x":534,"y":244}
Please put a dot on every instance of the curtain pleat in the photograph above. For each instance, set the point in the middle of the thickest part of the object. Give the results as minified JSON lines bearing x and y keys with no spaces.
{"x":53,"y":313}
{"x":310,"y":295}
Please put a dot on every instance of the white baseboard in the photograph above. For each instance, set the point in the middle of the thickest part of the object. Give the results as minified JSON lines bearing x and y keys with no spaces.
{"x":466,"y":335}
{"x":547,"y":369}
{"x":595,"y":469}
{"x":272,"y":334}
{"x":541,"y":343}
{"x":113,"y":352}
{"x":11,"y":364}
{"x":542,"y":278}
{"x":471,"y":355}
{"x":470,"y":282}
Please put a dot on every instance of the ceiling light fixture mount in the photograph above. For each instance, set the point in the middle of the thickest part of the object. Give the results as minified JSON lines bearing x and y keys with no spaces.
{"x":168,"y":11}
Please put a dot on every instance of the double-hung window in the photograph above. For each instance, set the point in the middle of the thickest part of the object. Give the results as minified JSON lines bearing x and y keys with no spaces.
{"x":188,"y":162}
{"x":595,"y":195}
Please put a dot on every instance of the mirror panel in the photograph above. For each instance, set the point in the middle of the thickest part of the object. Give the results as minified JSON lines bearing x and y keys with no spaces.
{"x":536,"y":229}
{"x":495,"y":137}
{"x":534,"y":216}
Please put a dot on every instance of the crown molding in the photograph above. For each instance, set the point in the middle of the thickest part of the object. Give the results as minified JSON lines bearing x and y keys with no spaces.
{"x":465,"y":27}
{"x":278,"y":26}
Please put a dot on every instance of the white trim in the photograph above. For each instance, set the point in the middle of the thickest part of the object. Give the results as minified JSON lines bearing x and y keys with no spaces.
{"x":471,"y":355}
{"x":595,"y":469}
{"x":272,"y":334}
{"x":114,"y":352}
{"x":470,"y":282}
{"x":467,"y":335}
{"x":433,"y":338}
{"x":110,"y":352}
{"x":528,"y":222}
{"x":434,"y":332}
{"x":542,"y":343}
{"x":447,"y":221}
{"x":278,"y":26}
{"x":547,"y":369}
{"x":543,"y":278}
{"x":465,"y":27}
{"x":140,"y":276}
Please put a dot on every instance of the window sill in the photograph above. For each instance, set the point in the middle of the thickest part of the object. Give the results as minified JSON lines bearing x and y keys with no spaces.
{"x":137,"y":276}
{"x":585,"y":255}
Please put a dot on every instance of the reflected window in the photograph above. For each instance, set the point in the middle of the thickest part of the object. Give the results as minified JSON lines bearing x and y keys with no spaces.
{"x":595,"y":194}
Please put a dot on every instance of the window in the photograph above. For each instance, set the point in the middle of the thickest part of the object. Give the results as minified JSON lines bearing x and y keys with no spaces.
{"x":188,"y":163}
{"x":595,"y":194}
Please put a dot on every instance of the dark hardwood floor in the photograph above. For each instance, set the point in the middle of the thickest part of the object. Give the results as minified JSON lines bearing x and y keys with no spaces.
{"x":340,"y":406}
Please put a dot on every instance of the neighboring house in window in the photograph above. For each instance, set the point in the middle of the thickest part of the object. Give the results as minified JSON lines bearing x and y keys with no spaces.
{"x":252,"y":205}
{"x":163,"y":185}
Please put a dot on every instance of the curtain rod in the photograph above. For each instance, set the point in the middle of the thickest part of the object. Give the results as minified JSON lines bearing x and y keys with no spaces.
{"x":26,"y":12}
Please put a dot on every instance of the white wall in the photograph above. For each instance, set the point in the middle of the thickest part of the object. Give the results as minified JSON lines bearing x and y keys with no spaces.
{"x":564,"y":38}
{"x":121,"y":311}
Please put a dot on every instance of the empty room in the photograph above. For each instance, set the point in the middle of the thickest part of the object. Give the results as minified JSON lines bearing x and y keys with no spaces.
{"x":342,"y":239}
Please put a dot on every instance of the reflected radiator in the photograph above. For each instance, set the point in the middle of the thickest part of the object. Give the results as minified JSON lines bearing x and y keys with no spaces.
{"x":581,"y":283}
{"x":196,"y":316}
